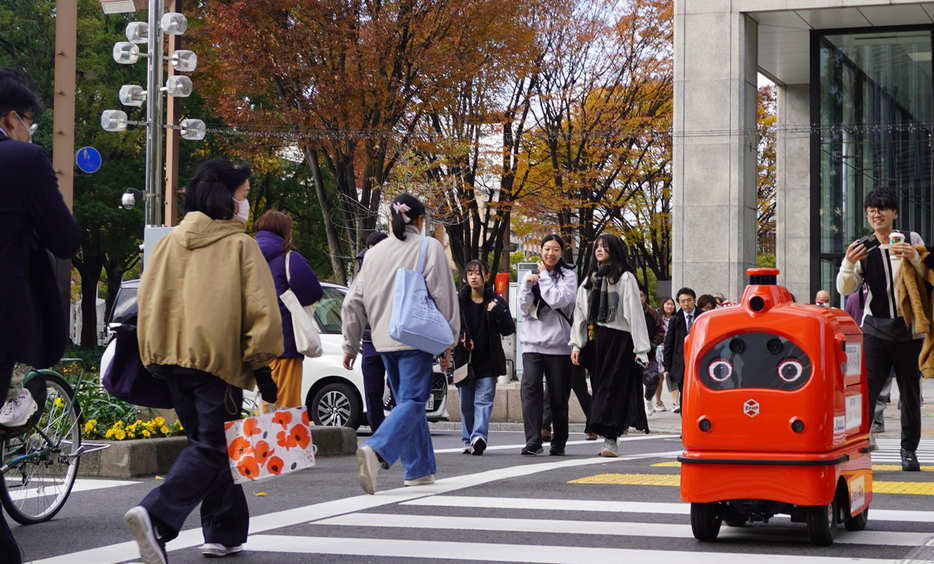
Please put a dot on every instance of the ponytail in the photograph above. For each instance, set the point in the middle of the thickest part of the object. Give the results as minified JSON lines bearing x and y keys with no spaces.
{"x":398,"y":227}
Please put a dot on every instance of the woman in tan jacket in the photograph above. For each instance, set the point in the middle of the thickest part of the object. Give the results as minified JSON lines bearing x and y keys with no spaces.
{"x":208,"y":322}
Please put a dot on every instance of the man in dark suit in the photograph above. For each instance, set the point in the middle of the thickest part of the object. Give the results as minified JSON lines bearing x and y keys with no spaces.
{"x":678,"y":329}
{"x":33,"y":219}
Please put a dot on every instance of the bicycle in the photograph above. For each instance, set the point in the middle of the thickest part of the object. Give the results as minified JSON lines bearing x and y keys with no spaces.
{"x":40,"y":458}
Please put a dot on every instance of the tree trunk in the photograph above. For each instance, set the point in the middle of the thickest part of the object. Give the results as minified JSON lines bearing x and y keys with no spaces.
{"x":337,"y":262}
{"x":90,"y":270}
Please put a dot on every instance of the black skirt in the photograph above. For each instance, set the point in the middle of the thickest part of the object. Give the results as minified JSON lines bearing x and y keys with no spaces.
{"x":617,"y":385}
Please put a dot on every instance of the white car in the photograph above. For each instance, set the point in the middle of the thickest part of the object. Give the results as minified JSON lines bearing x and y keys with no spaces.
{"x":334,"y":395}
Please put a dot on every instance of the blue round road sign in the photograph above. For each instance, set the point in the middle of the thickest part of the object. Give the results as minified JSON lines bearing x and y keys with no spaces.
{"x":88,"y":159}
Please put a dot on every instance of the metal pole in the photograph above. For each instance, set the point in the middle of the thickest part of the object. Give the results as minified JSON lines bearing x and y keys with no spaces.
{"x":154,"y":172}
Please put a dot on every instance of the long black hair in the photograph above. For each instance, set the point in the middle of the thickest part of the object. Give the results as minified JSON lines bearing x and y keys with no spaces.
{"x":404,"y":209}
{"x":211,"y":190}
{"x":561,"y":265}
{"x":619,"y":259}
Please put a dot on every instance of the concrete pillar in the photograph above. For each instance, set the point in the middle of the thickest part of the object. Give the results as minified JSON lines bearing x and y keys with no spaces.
{"x":714,"y":167}
{"x":793,"y":191}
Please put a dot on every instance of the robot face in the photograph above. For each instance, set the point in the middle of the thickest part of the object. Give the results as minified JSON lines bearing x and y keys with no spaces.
{"x":755,"y":360}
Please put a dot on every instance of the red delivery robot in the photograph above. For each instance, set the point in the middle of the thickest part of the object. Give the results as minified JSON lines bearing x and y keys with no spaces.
{"x":775,"y":415}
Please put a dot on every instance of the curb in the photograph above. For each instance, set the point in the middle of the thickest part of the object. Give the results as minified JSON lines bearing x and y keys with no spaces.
{"x":148,"y":457}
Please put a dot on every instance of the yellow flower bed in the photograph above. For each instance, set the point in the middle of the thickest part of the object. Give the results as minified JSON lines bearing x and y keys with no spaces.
{"x":120,"y":430}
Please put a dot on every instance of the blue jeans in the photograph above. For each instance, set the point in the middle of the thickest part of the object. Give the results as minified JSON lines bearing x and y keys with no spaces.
{"x":476,"y":405}
{"x":404,"y":433}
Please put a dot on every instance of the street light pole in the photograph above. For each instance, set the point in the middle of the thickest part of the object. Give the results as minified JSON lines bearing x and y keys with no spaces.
{"x":154,"y":108}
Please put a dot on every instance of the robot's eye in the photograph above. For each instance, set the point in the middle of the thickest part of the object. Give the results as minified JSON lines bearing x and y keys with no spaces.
{"x":719,"y":370}
{"x":790,"y":370}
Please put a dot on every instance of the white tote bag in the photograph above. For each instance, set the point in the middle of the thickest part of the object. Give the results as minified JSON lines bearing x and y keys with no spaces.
{"x":307,"y":340}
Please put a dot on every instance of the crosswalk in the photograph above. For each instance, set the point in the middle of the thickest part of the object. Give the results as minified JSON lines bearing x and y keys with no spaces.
{"x":890,"y":452}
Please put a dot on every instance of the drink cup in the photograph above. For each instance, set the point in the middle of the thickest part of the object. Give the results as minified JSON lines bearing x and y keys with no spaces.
{"x":895,"y":237}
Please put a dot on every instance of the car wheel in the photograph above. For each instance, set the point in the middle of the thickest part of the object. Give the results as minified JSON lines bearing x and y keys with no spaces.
{"x":857,"y":523}
{"x":822,"y":523}
{"x":336,"y":405}
{"x":705,"y":523}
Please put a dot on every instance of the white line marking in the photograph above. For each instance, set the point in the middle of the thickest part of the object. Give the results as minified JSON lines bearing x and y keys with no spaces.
{"x":52,"y":487}
{"x":756,"y":533}
{"x":437,"y":550}
{"x":122,"y":552}
{"x":518,"y":447}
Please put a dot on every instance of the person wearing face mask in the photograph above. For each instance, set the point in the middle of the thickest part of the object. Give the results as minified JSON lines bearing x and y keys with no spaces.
{"x":544,"y":303}
{"x":33,"y":219}
{"x":241,"y":203}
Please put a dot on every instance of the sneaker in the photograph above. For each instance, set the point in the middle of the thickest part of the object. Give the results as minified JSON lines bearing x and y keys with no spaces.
{"x":17,"y":411}
{"x":217,"y":550}
{"x":556,"y":452}
{"x":479,"y":446}
{"x":872,"y":442}
{"x":591,"y":436}
{"x":878,"y":427}
{"x":649,"y":407}
{"x":369,"y":468}
{"x":423,"y":481}
{"x":609,"y":450}
{"x":546,"y":436}
{"x":531,"y":450}
{"x":659,"y":406}
{"x":910,"y":461}
{"x":467,"y":450}
{"x":676,"y":408}
{"x":151,"y":545}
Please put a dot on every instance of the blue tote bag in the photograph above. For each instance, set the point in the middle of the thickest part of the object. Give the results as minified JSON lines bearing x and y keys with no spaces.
{"x":415,"y":320}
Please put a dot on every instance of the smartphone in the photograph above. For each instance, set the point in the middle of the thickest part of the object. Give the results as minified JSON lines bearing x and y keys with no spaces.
{"x":869,"y":242}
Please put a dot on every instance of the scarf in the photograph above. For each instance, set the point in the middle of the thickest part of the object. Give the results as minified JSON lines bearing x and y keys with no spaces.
{"x":604,"y":298}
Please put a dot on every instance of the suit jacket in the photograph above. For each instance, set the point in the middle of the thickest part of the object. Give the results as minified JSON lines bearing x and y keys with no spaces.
{"x":674,"y":345}
{"x":33,"y":219}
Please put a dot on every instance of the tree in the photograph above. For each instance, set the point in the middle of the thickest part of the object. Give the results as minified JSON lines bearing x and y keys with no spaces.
{"x":765,"y":182}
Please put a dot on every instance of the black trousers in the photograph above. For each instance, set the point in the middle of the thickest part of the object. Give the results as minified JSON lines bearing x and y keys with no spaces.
{"x":9,"y":550}
{"x":201,"y":474}
{"x":579,"y":387}
{"x":881,"y":358}
{"x":556,"y":369}
{"x":374,"y":383}
{"x":617,"y":385}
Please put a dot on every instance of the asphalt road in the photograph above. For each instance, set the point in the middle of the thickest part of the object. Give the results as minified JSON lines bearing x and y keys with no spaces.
{"x":500,"y":507}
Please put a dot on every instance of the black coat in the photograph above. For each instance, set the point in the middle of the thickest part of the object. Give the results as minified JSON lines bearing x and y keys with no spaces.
{"x":674,"y":345}
{"x":499,"y":324}
{"x":33,"y":219}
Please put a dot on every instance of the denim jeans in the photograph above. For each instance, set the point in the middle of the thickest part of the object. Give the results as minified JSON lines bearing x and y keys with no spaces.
{"x":404,"y":433}
{"x":476,"y":405}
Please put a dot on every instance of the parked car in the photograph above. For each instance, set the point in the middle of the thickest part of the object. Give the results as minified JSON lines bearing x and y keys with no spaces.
{"x":333,"y":394}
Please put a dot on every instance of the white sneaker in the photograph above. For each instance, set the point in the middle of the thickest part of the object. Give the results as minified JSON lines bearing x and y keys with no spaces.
{"x":423,"y":481}
{"x":609,"y":449}
{"x":369,"y":468}
{"x":659,"y":406}
{"x":649,"y":407}
{"x":18,"y":410}
{"x":217,"y":550}
{"x":151,"y":546}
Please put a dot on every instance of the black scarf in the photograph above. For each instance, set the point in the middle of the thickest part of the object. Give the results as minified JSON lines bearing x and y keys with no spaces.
{"x":604,"y":299}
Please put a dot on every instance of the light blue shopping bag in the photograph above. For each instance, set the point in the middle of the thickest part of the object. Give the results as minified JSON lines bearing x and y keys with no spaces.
{"x":416,"y":321}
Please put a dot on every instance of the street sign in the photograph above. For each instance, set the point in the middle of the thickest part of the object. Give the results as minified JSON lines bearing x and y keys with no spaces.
{"x":88,"y":159}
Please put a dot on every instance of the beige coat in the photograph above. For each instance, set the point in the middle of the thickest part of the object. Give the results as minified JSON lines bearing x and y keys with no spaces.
{"x":207,"y":301}
{"x":370,"y":295}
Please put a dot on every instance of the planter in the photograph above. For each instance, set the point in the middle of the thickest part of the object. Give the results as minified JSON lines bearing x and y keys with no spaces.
{"x":148,"y":457}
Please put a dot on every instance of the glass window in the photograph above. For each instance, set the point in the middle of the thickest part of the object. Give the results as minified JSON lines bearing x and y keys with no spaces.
{"x":328,"y":310}
{"x":875,"y":111}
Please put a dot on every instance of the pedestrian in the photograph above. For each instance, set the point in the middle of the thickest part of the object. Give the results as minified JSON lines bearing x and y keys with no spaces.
{"x":888,"y":342}
{"x":706,"y":303}
{"x":485,"y":320}
{"x":404,"y":433}
{"x":33,"y":219}
{"x":655,"y":331}
{"x":544,"y":303}
{"x":209,"y":324}
{"x":822,"y":298}
{"x":609,"y":317}
{"x":274,"y":236}
{"x":678,"y":329}
{"x":374,"y":371}
{"x":666,"y":311}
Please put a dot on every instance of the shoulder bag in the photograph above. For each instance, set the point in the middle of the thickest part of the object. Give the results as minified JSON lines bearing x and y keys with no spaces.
{"x":127,"y":379}
{"x":415,"y":320}
{"x":307,"y":340}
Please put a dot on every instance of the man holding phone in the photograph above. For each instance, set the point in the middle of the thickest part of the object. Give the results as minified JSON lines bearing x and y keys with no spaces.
{"x":887,"y":340}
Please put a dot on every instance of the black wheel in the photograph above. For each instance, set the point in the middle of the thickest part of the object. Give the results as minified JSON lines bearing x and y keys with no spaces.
{"x":42,"y":469}
{"x":737,"y":522}
{"x":336,"y":405}
{"x":822,"y":523}
{"x":858,"y":522}
{"x":705,"y":523}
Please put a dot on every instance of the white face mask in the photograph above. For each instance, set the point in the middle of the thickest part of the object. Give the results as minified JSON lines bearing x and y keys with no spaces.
{"x":243,"y":210}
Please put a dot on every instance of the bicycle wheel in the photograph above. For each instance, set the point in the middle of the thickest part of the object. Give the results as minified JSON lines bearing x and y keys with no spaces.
{"x":42,"y":469}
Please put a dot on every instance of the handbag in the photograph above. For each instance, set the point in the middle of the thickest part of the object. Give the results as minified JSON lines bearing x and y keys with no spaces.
{"x":307,"y":340}
{"x":127,"y":379}
{"x":415,"y":320}
{"x":464,"y":373}
{"x":269,"y":444}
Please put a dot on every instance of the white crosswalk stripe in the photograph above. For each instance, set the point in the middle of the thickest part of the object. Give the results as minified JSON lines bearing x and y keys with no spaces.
{"x":890,"y":452}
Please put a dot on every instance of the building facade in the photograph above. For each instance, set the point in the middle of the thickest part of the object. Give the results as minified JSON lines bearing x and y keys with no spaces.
{"x":855,"y":105}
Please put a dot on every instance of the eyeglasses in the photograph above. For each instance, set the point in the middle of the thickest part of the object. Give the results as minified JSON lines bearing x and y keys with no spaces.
{"x":32,"y":127}
{"x":685,"y":300}
{"x":876,"y":211}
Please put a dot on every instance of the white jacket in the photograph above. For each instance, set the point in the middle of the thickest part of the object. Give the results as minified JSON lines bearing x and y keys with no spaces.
{"x":630,"y":316}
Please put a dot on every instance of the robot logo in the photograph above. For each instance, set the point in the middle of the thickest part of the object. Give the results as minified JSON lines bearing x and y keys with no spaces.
{"x":751,"y":408}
